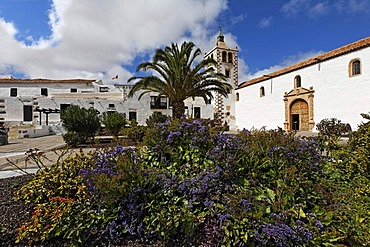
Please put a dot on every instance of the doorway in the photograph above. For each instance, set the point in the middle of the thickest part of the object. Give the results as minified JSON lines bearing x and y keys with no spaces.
{"x":295,"y":122}
{"x":27,"y":113}
{"x":299,"y":115}
{"x":196,"y":112}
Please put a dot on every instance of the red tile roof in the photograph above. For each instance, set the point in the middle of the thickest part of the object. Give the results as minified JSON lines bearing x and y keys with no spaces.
{"x":363,"y":43}
{"x":43,"y":81}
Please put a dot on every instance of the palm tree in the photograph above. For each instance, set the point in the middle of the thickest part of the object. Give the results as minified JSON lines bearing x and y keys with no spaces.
{"x":178,"y":78}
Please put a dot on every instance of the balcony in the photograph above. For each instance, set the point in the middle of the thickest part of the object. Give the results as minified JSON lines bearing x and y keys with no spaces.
{"x":160,"y":105}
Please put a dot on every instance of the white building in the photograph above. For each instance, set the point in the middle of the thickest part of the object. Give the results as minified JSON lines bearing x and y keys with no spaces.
{"x":39,"y":101}
{"x":335,"y":84}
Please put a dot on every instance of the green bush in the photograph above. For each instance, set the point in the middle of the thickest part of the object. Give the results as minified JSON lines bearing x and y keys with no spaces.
{"x":330,"y":132}
{"x":155,"y":119}
{"x":72,"y":138}
{"x":63,"y":207}
{"x":83,"y":123}
{"x":114,"y":122}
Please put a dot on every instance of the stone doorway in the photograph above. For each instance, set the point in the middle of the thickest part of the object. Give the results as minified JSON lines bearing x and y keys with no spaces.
{"x":299,"y":115}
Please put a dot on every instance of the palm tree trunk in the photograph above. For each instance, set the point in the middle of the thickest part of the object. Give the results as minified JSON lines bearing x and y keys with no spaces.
{"x":178,"y":109}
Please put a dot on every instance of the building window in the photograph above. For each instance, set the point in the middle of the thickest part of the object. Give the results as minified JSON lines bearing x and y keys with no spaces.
{"x":224,"y":56}
{"x":230,"y":57}
{"x":212,"y":56}
{"x":355,"y":67}
{"x":196,"y":112}
{"x":103,"y":89}
{"x":64,"y":106}
{"x":132,"y":116}
{"x":262,"y":91}
{"x":237,"y":97}
{"x":73,"y":90}
{"x":297,"y":81}
{"x":229,"y":90}
{"x":110,"y":105}
{"x":13,"y":92}
{"x":158,"y":102}
{"x":44,"y":91}
{"x":227,"y":73}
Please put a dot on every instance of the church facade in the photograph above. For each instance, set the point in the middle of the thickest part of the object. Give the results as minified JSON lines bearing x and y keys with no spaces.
{"x":335,"y":84}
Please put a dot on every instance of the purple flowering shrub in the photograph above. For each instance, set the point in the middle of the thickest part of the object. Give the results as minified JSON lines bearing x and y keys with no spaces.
{"x":193,"y":186}
{"x":229,"y":183}
{"x":119,"y":185}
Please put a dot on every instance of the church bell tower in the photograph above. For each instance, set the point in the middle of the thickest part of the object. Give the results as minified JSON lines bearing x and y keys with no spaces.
{"x":227,"y":64}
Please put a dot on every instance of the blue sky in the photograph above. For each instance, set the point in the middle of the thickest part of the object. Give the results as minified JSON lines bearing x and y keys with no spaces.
{"x":99,"y":39}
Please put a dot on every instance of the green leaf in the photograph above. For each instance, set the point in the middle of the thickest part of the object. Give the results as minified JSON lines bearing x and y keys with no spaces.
{"x":271,"y":194}
{"x":302,"y":213}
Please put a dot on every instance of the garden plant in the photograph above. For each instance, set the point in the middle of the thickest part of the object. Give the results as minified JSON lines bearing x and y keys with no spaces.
{"x":188,"y":184}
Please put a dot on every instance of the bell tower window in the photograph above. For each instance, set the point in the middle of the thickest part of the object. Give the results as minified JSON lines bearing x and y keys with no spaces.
{"x":224,"y":56}
{"x":230,"y":57}
{"x":227,"y":73}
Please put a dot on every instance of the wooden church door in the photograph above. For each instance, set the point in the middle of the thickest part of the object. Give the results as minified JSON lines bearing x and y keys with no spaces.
{"x":299,"y":115}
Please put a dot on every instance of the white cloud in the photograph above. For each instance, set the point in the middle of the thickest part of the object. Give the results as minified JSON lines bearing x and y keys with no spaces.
{"x":237,"y":19}
{"x":319,"y":9}
{"x":265,"y":22}
{"x":293,"y":7}
{"x":299,"y":57}
{"x":92,"y":39}
{"x":287,"y":61}
{"x":352,"y":6}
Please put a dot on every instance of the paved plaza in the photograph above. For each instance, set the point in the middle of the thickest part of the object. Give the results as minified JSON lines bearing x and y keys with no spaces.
{"x":13,"y":155}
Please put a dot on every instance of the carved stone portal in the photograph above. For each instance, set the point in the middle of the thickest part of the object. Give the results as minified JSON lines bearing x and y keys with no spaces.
{"x":299,"y":115}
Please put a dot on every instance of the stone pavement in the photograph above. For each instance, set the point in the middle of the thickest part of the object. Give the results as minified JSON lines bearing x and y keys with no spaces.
{"x":13,"y":155}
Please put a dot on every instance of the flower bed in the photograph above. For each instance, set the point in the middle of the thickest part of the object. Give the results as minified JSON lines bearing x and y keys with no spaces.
{"x":192,"y":186}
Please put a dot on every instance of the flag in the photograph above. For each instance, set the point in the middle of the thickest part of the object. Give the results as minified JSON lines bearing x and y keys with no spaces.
{"x":115,"y":78}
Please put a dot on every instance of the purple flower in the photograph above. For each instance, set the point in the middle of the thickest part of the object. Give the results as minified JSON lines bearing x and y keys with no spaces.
{"x":319,"y":225}
{"x":172,"y":135}
{"x":246,"y":206}
{"x":223,"y":217}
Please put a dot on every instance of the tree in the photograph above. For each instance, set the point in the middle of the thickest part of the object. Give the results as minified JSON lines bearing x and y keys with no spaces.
{"x":114,"y":122}
{"x":178,"y":78}
{"x":156,"y":118}
{"x":80,"y":123}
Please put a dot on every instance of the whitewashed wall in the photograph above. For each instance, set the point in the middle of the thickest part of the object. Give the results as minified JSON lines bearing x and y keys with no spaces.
{"x":88,"y":95}
{"x":336,"y":94}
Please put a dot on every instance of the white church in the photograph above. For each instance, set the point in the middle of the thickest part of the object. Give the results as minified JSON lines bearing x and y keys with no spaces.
{"x":335,"y":84}
{"x":332,"y":85}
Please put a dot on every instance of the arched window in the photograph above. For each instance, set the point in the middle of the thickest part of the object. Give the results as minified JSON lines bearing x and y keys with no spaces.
{"x":297,"y":81}
{"x":230,"y":57}
{"x":355,"y":67}
{"x":224,"y":56}
{"x":262,"y":91}
{"x":237,"y":97}
{"x":227,"y":73}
